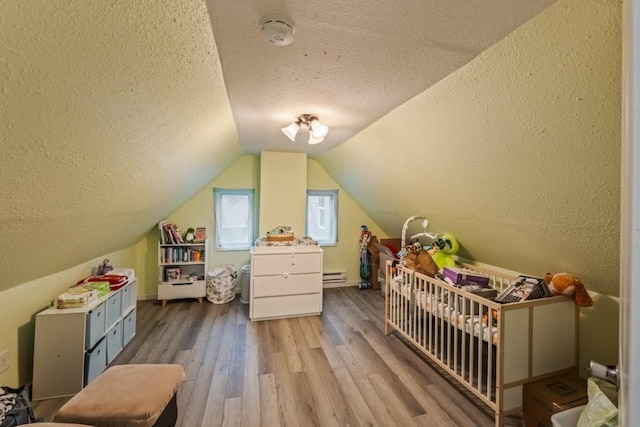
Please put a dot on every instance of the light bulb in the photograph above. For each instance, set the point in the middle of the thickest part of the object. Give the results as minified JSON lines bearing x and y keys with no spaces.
{"x":291,"y":130}
{"x":313,"y":141}
{"x":318,"y":130}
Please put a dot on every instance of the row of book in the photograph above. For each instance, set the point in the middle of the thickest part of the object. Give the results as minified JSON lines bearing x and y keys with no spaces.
{"x":169,"y":234}
{"x":181,"y":254}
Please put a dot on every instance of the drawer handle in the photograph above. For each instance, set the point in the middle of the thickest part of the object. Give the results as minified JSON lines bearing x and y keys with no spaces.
{"x":285,"y":275}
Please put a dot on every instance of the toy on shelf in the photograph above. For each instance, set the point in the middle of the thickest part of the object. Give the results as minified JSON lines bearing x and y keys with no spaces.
{"x":570,"y":285}
{"x":190,"y":235}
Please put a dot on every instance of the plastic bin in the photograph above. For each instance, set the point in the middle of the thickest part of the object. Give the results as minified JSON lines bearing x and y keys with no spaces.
{"x":567,"y":418}
{"x":246,"y":283}
{"x":221,"y":284}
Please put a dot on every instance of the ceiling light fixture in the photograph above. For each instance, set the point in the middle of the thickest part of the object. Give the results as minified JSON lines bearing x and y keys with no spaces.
{"x":317,"y":131}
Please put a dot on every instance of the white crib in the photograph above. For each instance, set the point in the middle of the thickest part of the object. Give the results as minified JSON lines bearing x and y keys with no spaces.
{"x":526,"y":341}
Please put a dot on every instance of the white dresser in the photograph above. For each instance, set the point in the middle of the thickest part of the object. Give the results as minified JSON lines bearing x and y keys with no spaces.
{"x":286,"y":281}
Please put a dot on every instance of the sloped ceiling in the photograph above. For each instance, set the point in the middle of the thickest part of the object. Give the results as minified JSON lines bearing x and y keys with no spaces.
{"x":114,"y":113}
{"x":517,"y":154}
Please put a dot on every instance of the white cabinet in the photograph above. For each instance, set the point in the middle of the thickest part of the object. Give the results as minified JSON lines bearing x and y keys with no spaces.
{"x":286,"y":281}
{"x":182,"y":271}
{"x":72,"y":346}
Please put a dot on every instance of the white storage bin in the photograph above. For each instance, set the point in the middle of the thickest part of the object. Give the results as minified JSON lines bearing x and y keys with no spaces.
{"x":95,"y":361}
{"x":127,"y":300}
{"x":114,"y":341}
{"x":568,"y":418}
{"x":95,"y":326}
{"x":128,"y":327}
{"x":113,"y":309}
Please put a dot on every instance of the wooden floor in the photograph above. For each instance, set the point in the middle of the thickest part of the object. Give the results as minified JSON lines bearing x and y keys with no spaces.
{"x":337,"y":369}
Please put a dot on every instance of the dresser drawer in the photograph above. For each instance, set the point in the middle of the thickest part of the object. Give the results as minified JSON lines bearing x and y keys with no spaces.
{"x":285,"y":306}
{"x":188,"y":290}
{"x":286,"y":263}
{"x":287,"y":284}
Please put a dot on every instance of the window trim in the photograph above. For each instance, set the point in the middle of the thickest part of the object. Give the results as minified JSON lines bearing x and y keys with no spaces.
{"x":333,"y":194}
{"x":221,"y":192}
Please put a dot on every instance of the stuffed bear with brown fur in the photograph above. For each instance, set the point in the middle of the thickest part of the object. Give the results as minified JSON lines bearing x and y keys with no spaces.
{"x":421,"y":262}
{"x":570,"y":285}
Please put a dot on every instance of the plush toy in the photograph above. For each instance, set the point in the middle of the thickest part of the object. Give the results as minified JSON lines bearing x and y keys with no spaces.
{"x":190,"y":235}
{"x":421,"y":262}
{"x":444,"y":247}
{"x":570,"y":285}
{"x":105,"y":267}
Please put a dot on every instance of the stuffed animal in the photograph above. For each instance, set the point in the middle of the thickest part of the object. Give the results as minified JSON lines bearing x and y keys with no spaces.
{"x":105,"y":267}
{"x":570,"y":285}
{"x":421,"y":262}
{"x":190,"y":235}
{"x":444,"y":247}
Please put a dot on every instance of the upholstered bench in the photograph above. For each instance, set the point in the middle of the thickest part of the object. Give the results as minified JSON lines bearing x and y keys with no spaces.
{"x":127,"y":396}
{"x":62,"y":425}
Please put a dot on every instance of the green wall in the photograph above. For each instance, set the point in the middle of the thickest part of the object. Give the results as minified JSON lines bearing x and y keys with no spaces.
{"x":245,"y":173}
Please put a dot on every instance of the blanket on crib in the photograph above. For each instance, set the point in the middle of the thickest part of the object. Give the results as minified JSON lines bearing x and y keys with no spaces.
{"x":450,"y":311}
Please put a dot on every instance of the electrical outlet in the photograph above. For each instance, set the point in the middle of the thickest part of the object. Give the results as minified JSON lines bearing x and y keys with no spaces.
{"x":4,"y":360}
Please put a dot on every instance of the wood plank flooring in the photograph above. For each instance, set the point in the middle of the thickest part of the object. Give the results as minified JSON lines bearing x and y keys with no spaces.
{"x":336,"y":369}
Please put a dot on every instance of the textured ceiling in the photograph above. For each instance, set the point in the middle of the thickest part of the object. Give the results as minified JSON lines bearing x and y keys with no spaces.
{"x":112,"y":115}
{"x":115,"y":113}
{"x":350,"y":62}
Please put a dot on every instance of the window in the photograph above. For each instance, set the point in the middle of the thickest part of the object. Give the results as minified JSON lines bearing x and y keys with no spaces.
{"x":322,"y":216}
{"x":233,"y":218}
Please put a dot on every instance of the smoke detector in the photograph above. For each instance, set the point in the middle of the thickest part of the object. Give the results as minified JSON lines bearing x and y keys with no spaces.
{"x":277,"y":30}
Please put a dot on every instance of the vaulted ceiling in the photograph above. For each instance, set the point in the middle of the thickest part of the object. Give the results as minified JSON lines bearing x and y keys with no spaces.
{"x":114,"y":113}
{"x":350,"y":62}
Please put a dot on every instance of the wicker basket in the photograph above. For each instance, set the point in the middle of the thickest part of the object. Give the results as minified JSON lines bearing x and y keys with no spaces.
{"x":280,"y":237}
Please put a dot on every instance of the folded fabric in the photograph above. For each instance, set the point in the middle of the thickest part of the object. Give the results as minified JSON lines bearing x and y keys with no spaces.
{"x":116,"y":281}
{"x":128,"y":272}
{"x":103,"y":288}
{"x":76,"y":298}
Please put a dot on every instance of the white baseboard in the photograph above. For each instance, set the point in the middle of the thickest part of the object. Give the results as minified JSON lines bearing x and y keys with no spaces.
{"x":339,"y":285}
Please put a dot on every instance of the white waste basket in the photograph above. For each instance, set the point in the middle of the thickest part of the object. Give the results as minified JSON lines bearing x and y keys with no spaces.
{"x":221,"y":284}
{"x":246,"y":283}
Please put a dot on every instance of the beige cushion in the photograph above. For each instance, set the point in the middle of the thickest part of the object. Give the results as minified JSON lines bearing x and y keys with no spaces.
{"x":124,"y":396}
{"x":62,"y":425}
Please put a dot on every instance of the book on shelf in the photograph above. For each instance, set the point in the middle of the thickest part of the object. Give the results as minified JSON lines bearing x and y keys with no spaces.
{"x":163,"y":236}
{"x":172,"y":274}
{"x":201,"y":235}
{"x":169,"y":234}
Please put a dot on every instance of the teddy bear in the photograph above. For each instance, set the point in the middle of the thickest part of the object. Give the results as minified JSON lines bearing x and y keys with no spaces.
{"x":421,"y":262}
{"x":570,"y":285}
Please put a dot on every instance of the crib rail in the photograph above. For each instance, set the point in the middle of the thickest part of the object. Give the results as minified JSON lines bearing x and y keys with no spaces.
{"x":453,"y":327}
{"x":464,"y":334}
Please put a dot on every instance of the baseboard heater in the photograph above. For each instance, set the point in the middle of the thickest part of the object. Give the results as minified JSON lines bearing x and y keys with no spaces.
{"x":335,"y":277}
